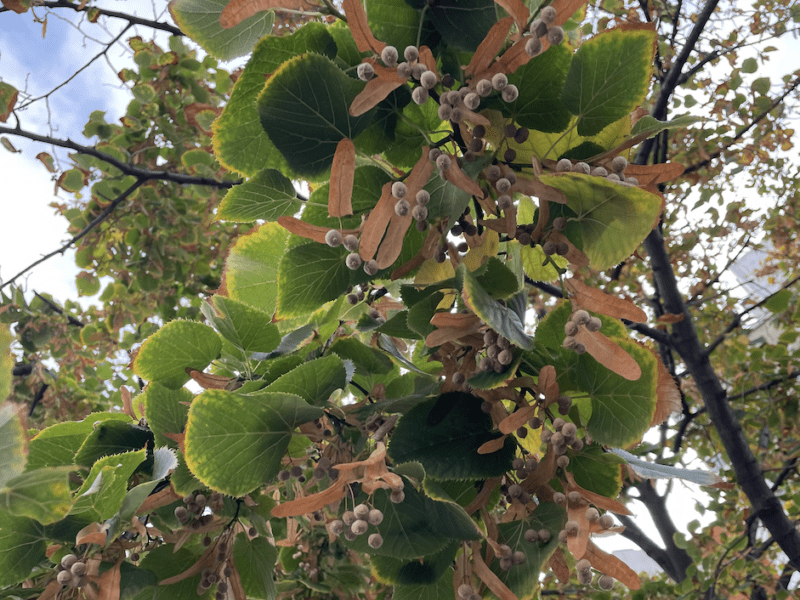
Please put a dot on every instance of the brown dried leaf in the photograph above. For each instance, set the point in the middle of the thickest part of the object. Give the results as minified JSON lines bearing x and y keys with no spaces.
{"x":577,"y":543}
{"x":392,"y":244}
{"x":109,"y":582}
{"x":16,"y":5}
{"x":492,"y":445}
{"x":308,"y":504}
{"x":51,"y":591}
{"x":565,"y":9}
{"x":575,"y":256}
{"x":178,"y":438}
{"x":609,"y":354}
{"x":377,"y":89}
{"x":237,"y":11}
{"x":341,"y":184}
{"x":307,"y":230}
{"x":589,"y":298}
{"x":91,"y":534}
{"x":235,"y":582}
{"x":534,"y":187}
{"x":209,"y":381}
{"x":359,"y":27}
{"x":516,"y":419}
{"x":655,"y":174}
{"x":611,"y":565}
{"x":536,"y":482}
{"x":668,"y":397}
{"x":375,"y":225}
{"x":447,"y":319}
{"x":194,"y":109}
{"x":43,"y":157}
{"x":127,"y":403}
{"x":440,"y":336}
{"x":461,"y":180}
{"x":558,"y":563}
{"x":157,"y":500}
{"x":490,"y":46}
{"x":483,"y":496}
{"x":206,"y":560}
{"x":427,"y":59}
{"x":670,"y":318}
{"x":599,"y":501}
{"x":486,"y":575}
{"x":518,"y":10}
{"x":424,"y":253}
{"x":548,"y":386}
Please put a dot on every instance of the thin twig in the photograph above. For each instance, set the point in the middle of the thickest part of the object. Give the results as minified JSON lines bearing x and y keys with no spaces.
{"x":132,"y":19}
{"x":95,"y":222}
{"x":76,"y":73}
{"x":127,"y":169}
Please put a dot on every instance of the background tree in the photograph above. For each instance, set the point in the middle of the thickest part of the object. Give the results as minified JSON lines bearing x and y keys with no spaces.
{"x":155,"y":168}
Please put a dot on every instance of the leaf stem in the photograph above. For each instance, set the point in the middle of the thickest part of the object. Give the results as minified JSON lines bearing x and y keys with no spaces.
{"x":561,"y":137}
{"x":421,"y":21}
{"x":332,"y":10}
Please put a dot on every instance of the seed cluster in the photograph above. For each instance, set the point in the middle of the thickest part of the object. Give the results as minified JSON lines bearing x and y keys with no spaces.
{"x":71,"y":571}
{"x":219,"y":571}
{"x":356,"y":522}
{"x":564,"y":436}
{"x":543,"y":27}
{"x":193,"y":512}
{"x":578,"y":319}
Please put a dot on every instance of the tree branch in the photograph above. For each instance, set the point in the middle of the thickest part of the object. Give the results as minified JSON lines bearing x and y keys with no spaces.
{"x":76,"y":73}
{"x":743,"y":130}
{"x":766,"y":386}
{"x":737,"y":320}
{"x":132,"y":19}
{"x":127,"y":169}
{"x":638,"y":537}
{"x":57,"y":309}
{"x":95,"y":222}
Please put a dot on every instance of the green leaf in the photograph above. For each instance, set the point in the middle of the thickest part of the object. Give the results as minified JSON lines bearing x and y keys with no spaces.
{"x":606,"y":220}
{"x":597,"y":471}
{"x":22,"y":546}
{"x":255,"y":561}
{"x":101,"y":495}
{"x":448,"y":199}
{"x":533,"y":261}
{"x":444,"y":434}
{"x":523,"y":580}
{"x":409,"y":529}
{"x":651,"y":126}
{"x":442,"y":590}
{"x":234,"y":442}
{"x":422,"y":572}
{"x":251,"y":270}
{"x":57,"y":445}
{"x":266,"y":196}
{"x":12,"y":444}
{"x":367,"y":184}
{"x":240,"y":142}
{"x":247,"y":328}
{"x":393,"y":22}
{"x":309,"y":276}
{"x":165,"y":562}
{"x":166,"y":411}
{"x":621,"y":409}
{"x":463,"y":23}
{"x":779,"y":301}
{"x":540,"y":82}
{"x":397,"y":326}
{"x":177,"y":346}
{"x":71,"y":181}
{"x":313,"y":381}
{"x":42,"y":494}
{"x":199,"y":19}
{"x":609,"y":76}
{"x":500,"y":318}
{"x":304,"y":108}
{"x":368,"y":362}
{"x":497,"y":279}
{"x":112,"y":437}
{"x":6,"y":364}
{"x":8,"y":98}
{"x":749,"y":65}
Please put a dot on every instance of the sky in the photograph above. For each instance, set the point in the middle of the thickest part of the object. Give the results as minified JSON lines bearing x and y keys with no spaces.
{"x":29,"y":228}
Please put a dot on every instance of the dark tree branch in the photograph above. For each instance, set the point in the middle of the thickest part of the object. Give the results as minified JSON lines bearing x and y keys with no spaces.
{"x":690,"y":416}
{"x":657,"y":507}
{"x":548,"y":288}
{"x":37,"y":398}
{"x":654,"y":334}
{"x":716,"y":277}
{"x":737,"y":320}
{"x":127,"y":169}
{"x":686,"y":342}
{"x":76,"y":73}
{"x":22,"y":370}
{"x":95,"y":222}
{"x":57,"y":309}
{"x":739,"y":134}
{"x":658,"y":554}
{"x":766,"y":386}
{"x":132,"y":19}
